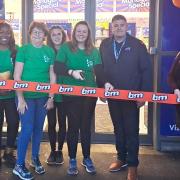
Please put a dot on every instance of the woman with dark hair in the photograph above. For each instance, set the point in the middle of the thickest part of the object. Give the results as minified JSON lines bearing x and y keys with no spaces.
{"x":8,"y":51}
{"x":34,"y":62}
{"x":174,"y":82}
{"x":56,"y":38}
{"x":77,"y":61}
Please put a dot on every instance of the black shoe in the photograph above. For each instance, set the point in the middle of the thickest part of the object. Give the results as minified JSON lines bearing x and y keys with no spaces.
{"x":9,"y":158}
{"x":52,"y":158}
{"x":59,"y":158}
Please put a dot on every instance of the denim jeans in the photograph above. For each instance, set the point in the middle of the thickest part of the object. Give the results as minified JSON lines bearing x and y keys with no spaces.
{"x":32,"y":122}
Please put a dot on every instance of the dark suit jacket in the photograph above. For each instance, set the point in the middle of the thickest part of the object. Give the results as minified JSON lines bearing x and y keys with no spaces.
{"x":133,"y":71}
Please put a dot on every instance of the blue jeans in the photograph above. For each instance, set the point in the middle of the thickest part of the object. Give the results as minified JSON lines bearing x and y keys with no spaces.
{"x":32,"y":122}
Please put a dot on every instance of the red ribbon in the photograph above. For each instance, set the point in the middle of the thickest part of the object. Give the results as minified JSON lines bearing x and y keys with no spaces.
{"x":89,"y":91}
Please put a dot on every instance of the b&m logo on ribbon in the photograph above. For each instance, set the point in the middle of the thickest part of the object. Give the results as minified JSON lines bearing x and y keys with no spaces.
{"x":89,"y":91}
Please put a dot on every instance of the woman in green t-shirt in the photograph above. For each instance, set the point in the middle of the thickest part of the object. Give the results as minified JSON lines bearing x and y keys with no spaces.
{"x":7,"y":98}
{"x":77,"y":60}
{"x":34,"y":62}
{"x":56,"y":38}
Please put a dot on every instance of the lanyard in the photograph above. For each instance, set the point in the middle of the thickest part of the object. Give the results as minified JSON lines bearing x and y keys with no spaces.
{"x":117,"y":53}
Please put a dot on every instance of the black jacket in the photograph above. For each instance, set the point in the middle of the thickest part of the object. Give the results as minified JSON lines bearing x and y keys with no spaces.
{"x":133,"y":71}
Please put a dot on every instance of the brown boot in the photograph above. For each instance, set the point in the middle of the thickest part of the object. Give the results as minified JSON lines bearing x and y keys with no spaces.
{"x":132,"y":173}
{"x":117,"y":166}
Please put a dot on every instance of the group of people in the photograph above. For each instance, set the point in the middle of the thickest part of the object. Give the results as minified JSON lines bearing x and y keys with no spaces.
{"x":122,"y":62}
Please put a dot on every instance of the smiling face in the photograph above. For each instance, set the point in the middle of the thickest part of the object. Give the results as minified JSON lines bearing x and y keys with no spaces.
{"x":56,"y":37}
{"x":5,"y":35}
{"x":119,"y":28}
{"x":81,"y":33}
{"x":37,"y":36}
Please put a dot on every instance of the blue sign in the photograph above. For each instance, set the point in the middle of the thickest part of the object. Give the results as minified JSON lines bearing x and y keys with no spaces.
{"x":2,"y":12}
{"x":1,"y":4}
{"x":170,"y":27}
{"x":170,"y":42}
{"x":51,"y":6}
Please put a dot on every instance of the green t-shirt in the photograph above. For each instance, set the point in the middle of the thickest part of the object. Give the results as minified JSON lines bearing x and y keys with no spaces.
{"x":6,"y":64}
{"x":79,"y":60}
{"x":36,"y":67}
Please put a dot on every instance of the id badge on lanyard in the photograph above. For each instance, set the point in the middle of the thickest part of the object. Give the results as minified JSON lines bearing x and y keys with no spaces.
{"x":116,"y":52}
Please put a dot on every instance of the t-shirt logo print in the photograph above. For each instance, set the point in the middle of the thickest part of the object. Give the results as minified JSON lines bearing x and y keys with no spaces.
{"x":46,"y":59}
{"x":12,"y":61}
{"x":89,"y":63}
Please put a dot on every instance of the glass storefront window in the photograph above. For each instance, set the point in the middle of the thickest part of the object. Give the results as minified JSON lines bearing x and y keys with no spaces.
{"x":12,"y":14}
{"x":137,"y":14}
{"x":10,"y":10}
{"x":65,"y":13}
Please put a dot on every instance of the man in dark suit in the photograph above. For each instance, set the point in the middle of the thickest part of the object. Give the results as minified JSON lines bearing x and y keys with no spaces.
{"x":126,"y":66}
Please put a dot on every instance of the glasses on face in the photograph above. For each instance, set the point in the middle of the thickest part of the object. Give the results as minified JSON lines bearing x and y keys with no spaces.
{"x":37,"y":32}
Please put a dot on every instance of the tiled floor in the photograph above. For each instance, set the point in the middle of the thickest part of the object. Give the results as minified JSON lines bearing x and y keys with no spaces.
{"x":153,"y":165}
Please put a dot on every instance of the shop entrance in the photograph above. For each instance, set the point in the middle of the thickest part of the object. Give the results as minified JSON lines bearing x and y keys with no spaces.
{"x":99,"y":13}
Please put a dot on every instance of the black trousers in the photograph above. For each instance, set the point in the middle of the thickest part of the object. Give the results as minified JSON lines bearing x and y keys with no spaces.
{"x":80,"y":111}
{"x":54,"y":115}
{"x":8,"y":107}
{"x":125,"y":118}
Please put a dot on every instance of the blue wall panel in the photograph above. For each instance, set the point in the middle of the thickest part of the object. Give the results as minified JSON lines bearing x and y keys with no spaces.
{"x":170,"y":27}
{"x":170,"y":42}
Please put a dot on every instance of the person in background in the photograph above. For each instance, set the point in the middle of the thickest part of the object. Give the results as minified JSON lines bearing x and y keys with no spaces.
{"x":34,"y":62}
{"x":127,"y":66}
{"x":174,"y":83}
{"x":56,"y":38}
{"x":78,"y":61}
{"x":8,"y":51}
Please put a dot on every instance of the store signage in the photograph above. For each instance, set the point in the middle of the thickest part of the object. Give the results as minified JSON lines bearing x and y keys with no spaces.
{"x":51,"y":6}
{"x":104,"y":6}
{"x":132,"y":5}
{"x":77,"y":6}
{"x":2,"y":11}
{"x":101,"y":5}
